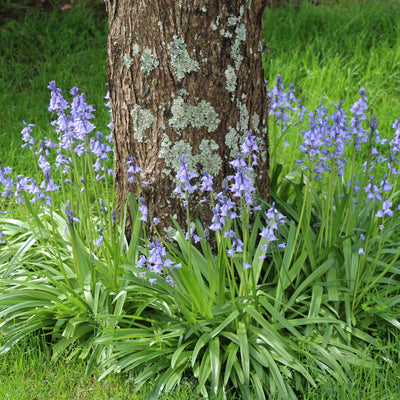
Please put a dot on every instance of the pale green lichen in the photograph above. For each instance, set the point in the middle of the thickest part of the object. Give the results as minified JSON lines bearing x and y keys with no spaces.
{"x":228,"y":34}
{"x":142,"y":120}
{"x":232,"y":141}
{"x":236,"y":136}
{"x":255,"y":121}
{"x":244,"y":118}
{"x":135,"y":49}
{"x":214,"y":26}
{"x":178,"y":120}
{"x":149,"y":61}
{"x":208,"y":157}
{"x":180,"y":58}
{"x":263,"y":153}
{"x":127,"y":60}
{"x":231,"y":79}
{"x":184,"y":114}
{"x":171,"y":153}
{"x":233,"y":20}
{"x":235,"y":49}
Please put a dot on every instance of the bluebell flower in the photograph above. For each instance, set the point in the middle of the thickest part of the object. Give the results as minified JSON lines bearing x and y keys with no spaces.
{"x":169,"y":280}
{"x":385,"y":184}
{"x":358,"y":132}
{"x":158,"y":262}
{"x":395,"y":142}
{"x":249,"y":146}
{"x":373,"y":123}
{"x":63,"y":161}
{"x":273,"y":219}
{"x":206,"y":183}
{"x":193,"y":235}
{"x":386,"y":209}
{"x":281,"y":102}
{"x":237,"y":244}
{"x":70,"y":216}
{"x":26,"y":135}
{"x":156,"y":221}
{"x":132,"y":170}
{"x":143,"y":210}
{"x":98,"y":147}
{"x":246,"y":266}
{"x":102,"y":205}
{"x":44,"y":165}
{"x":57,"y":102}
{"x":99,"y":241}
{"x":242,"y":185}
{"x":81,"y":112}
{"x":184,"y":176}
{"x":141,"y":262}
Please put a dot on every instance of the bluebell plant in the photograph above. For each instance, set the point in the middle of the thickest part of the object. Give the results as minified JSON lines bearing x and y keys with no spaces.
{"x":288,"y":266}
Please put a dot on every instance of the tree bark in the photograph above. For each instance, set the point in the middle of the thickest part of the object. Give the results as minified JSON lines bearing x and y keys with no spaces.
{"x":185,"y":78}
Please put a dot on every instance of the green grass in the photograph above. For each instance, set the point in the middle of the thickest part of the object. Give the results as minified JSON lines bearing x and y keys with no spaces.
{"x":28,"y":372}
{"x":68,"y":47}
{"x":329,"y":52}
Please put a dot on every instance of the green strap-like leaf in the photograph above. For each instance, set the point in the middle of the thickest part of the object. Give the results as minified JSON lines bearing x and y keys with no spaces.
{"x":244,"y":352}
{"x":215,"y":364}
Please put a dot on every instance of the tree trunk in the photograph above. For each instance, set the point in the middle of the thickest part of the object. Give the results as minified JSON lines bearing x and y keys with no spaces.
{"x":185,"y":78}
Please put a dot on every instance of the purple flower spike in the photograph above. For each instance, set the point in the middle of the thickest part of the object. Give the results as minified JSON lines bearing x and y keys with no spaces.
{"x":206,"y":182}
{"x":386,"y":209}
{"x":283,"y":103}
{"x":184,"y":176}
{"x":57,"y":101}
{"x":143,"y":210}
{"x":246,"y":266}
{"x":132,"y":170}
{"x":69,"y":214}
{"x":101,"y":238}
{"x":26,"y":135}
{"x":249,"y":144}
{"x":274,"y":219}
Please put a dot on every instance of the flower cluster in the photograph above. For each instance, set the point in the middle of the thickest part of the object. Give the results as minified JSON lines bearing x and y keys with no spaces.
{"x":184,"y":176}
{"x":284,"y":104}
{"x":330,"y":138}
{"x":158,"y":263}
{"x":132,"y":170}
{"x":273,"y":219}
{"x":70,"y":216}
{"x":73,"y":130}
{"x":234,"y":200}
